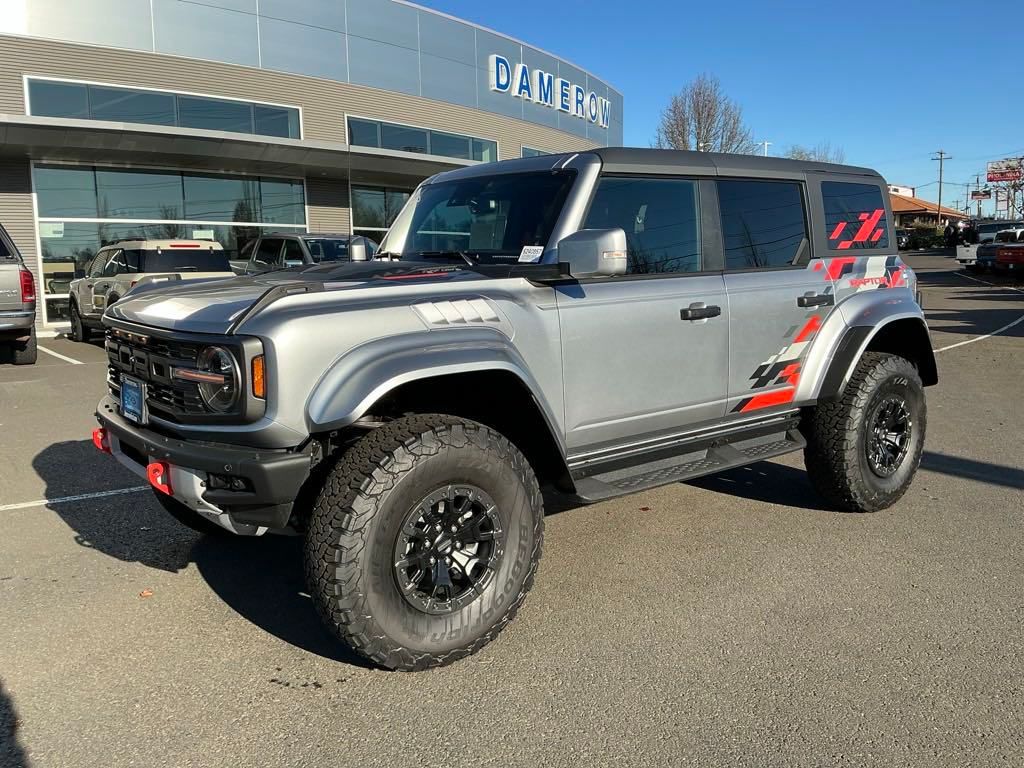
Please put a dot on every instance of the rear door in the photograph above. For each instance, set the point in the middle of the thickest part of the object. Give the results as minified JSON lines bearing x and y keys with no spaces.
{"x":778,"y":294}
{"x":645,"y":354}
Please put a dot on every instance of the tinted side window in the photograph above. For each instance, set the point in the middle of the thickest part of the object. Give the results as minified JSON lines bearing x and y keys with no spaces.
{"x":115,"y":266}
{"x":96,"y":268}
{"x":763,"y":223}
{"x":660,"y":219}
{"x":854,"y":215}
{"x":268,"y":253}
{"x":292,"y":252}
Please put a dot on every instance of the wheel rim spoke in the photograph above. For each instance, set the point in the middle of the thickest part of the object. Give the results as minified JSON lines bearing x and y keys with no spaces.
{"x":447,"y":549}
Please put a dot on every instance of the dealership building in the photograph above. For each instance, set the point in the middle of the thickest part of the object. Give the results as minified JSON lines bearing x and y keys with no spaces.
{"x":219,"y":119}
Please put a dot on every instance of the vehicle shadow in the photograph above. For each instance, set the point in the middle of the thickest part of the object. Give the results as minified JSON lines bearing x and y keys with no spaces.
{"x":969,"y":469}
{"x":767,"y":482}
{"x":12,"y":755}
{"x":260,"y":578}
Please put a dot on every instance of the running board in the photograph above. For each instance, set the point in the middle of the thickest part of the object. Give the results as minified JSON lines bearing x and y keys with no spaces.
{"x":687,"y":466}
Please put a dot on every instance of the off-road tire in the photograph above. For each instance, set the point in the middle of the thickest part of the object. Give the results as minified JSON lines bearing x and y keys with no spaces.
{"x":355,"y":523}
{"x":837,"y":434}
{"x":79,"y":330}
{"x":188,"y":517}
{"x":25,"y":352}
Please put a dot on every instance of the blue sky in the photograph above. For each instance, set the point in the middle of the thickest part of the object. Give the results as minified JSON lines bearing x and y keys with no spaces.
{"x":888,"y":82}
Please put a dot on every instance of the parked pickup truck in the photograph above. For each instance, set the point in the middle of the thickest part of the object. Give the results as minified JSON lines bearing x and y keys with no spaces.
{"x":1010,"y":251}
{"x":984,"y":256}
{"x":120,"y":267}
{"x":281,"y":250}
{"x":17,"y":304}
{"x":596,"y":323}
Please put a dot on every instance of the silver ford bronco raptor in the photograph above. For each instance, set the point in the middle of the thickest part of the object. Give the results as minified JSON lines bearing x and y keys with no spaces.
{"x":595,"y":324}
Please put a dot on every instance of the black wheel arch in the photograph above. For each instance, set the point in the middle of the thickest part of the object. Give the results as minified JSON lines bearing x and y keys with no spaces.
{"x":905,"y":337}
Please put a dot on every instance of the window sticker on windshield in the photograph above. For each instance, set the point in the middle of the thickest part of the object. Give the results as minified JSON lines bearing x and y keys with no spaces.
{"x":531,"y":253}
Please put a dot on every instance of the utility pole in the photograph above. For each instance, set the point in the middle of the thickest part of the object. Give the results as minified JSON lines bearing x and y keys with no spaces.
{"x":977,"y":186}
{"x":941,"y":156}
{"x":765,"y":144}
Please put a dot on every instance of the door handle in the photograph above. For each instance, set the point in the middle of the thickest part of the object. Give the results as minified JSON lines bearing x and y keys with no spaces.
{"x":699,"y":311}
{"x":816,"y":300}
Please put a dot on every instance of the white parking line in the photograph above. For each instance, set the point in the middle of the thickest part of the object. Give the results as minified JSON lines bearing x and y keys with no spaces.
{"x":997,"y":331}
{"x":66,"y":499}
{"x":65,"y":358}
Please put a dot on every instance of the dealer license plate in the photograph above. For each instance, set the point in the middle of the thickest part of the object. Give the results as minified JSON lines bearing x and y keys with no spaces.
{"x":133,"y":399}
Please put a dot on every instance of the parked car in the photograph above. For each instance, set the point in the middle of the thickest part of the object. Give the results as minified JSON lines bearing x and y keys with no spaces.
{"x":17,"y":304}
{"x":280,"y":250}
{"x":985,"y":255}
{"x":1010,"y":251}
{"x":598,"y":323}
{"x":903,"y":238}
{"x":120,"y":267}
{"x":987,"y":231}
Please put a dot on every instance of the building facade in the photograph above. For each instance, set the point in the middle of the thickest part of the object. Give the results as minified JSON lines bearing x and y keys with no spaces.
{"x":217,"y":120}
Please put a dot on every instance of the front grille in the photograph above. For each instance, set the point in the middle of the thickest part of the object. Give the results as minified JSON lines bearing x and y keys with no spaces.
{"x":151,"y":359}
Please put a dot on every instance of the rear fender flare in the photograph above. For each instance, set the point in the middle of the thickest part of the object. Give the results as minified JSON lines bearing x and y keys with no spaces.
{"x":365,"y":374}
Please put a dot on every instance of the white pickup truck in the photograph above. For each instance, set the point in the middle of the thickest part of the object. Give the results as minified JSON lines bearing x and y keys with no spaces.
{"x":119,"y":267}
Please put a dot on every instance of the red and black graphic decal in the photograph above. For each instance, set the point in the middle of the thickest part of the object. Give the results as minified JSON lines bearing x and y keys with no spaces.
{"x":784,"y":368}
{"x":868,"y":231}
{"x":835,"y":268}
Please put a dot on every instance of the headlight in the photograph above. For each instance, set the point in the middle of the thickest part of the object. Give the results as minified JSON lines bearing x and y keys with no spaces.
{"x":221,"y":392}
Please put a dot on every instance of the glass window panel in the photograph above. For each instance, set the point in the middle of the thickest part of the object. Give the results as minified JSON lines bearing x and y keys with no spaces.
{"x":57,"y":310}
{"x":66,"y":191}
{"x":221,"y":198}
{"x":138,"y":195}
{"x":363,"y":133}
{"x":282,"y":202}
{"x":384,"y":66}
{"x":125,"y":106}
{"x":303,"y":49}
{"x":854,"y":215}
{"x":762,"y":223}
{"x":450,"y":145}
{"x":58,"y":99}
{"x":369,"y":208}
{"x":276,"y":121}
{"x":67,"y":247}
{"x":659,"y":217}
{"x":531,"y":152}
{"x":396,"y":200}
{"x":403,"y":138}
{"x":485,"y":151}
{"x":214,"y":114}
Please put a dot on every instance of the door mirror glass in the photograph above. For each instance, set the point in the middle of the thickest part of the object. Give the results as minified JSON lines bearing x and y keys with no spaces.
{"x":594,"y":253}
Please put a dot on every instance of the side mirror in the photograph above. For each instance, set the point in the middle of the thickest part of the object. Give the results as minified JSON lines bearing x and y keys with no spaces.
{"x":594,"y":252}
{"x":358,"y":250}
{"x":79,"y":274}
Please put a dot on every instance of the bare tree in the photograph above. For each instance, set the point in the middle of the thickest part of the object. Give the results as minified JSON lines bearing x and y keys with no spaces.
{"x":823,"y":152}
{"x":702,"y":117}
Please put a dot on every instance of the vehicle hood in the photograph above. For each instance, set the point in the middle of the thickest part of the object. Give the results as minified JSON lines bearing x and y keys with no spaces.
{"x":217,"y":306}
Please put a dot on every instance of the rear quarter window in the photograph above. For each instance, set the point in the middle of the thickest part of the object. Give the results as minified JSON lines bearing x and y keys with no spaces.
{"x":854,"y":216}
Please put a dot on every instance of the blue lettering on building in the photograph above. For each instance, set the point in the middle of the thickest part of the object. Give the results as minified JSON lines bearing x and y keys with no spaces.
{"x":547,"y":90}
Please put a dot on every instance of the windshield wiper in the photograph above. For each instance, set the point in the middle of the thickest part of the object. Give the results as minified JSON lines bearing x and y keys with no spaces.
{"x":470,"y":259}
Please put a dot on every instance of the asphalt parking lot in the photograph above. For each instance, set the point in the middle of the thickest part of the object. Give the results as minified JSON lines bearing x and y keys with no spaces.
{"x":731,"y":621}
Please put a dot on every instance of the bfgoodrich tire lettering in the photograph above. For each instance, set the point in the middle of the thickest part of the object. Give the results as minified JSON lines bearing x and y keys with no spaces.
{"x":839,"y":436}
{"x":359,"y":514}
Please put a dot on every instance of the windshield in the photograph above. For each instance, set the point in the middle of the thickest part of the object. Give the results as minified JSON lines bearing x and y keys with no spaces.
{"x":187,"y":260}
{"x":494,"y":219}
{"x":1009,"y":236}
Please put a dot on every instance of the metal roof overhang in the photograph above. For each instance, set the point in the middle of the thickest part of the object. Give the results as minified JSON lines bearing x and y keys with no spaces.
{"x":96,"y":141}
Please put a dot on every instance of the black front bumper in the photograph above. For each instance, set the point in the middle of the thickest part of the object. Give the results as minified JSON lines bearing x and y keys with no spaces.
{"x":273,"y":477}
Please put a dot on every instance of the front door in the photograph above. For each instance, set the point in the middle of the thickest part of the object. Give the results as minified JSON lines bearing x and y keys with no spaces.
{"x":84,"y":288}
{"x":101,"y":287}
{"x":644,"y":354}
{"x":778,"y":295}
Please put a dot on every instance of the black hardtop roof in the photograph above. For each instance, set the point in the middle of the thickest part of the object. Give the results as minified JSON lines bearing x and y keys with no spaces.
{"x":654,"y":161}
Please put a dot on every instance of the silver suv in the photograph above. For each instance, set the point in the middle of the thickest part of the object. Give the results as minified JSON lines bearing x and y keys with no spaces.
{"x":595,"y":324}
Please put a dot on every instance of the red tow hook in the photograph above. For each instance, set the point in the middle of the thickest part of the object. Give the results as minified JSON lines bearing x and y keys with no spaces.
{"x":159,"y":474}
{"x":101,"y":440}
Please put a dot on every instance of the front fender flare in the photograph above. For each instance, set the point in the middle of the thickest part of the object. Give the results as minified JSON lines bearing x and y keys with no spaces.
{"x":363,"y":375}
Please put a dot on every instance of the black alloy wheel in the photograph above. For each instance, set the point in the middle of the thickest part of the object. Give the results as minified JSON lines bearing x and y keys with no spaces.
{"x":889,"y":436}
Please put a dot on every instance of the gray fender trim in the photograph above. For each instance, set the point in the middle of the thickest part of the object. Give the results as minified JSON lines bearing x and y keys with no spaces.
{"x":360,"y":377}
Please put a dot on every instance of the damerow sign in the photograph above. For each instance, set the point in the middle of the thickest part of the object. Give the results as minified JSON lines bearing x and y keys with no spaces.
{"x":546,"y":89}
